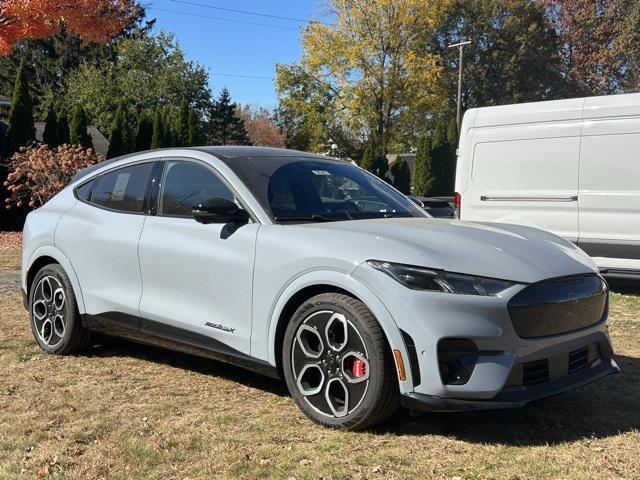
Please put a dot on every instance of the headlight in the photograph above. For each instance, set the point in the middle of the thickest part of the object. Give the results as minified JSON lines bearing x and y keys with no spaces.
{"x":420,"y":278}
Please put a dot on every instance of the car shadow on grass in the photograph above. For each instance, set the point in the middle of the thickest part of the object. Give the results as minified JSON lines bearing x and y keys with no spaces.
{"x":608,"y":407}
{"x":115,"y":347}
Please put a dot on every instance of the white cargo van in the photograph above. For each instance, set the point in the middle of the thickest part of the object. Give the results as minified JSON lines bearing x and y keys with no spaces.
{"x":571,"y":167}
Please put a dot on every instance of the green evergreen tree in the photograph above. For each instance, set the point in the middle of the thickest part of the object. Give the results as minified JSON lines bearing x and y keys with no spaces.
{"x":440,"y":151}
{"x":168,"y":139}
{"x":144,"y":133}
{"x":195,"y":131}
{"x":423,"y":172}
{"x":452,"y":139}
{"x":182,"y":128}
{"x":78,"y":131}
{"x":63,"y":128}
{"x":157,"y":135}
{"x":374,"y":160}
{"x":117,"y":139}
{"x":401,"y":176}
{"x":226,"y":127}
{"x":50,"y":134}
{"x":21,"y":130}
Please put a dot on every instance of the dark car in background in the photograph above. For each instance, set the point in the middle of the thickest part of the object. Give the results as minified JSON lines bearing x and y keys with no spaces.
{"x":439,"y":207}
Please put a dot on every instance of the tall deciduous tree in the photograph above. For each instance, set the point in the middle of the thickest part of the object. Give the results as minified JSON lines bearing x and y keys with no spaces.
{"x":261,"y":127}
{"x":423,"y":170}
{"x":92,"y":20}
{"x":225,"y":125}
{"x":599,"y":44}
{"x":513,"y":57}
{"x":376,"y":64}
{"x":78,"y":128}
{"x":151,"y":71}
{"x":21,"y":130}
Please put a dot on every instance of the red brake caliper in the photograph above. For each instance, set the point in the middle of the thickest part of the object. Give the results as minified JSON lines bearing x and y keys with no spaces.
{"x":358,"y":368}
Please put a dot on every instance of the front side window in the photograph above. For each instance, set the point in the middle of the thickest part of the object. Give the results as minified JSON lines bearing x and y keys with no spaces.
{"x":123,"y":189}
{"x":187,"y":183}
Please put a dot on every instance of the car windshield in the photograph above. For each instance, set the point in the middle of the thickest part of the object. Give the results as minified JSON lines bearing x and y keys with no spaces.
{"x":328,"y":191}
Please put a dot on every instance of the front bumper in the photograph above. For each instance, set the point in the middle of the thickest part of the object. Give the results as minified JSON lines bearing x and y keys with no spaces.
{"x":510,"y":397}
{"x":505,"y":372}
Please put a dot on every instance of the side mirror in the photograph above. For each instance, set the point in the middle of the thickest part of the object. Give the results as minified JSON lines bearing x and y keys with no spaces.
{"x":218,"y":210}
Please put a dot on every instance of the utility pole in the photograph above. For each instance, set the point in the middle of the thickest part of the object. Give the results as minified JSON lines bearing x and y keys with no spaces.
{"x":460,"y":46}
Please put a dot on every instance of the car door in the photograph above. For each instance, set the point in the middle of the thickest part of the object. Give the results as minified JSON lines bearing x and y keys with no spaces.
{"x":197,"y":279}
{"x":100,"y":238}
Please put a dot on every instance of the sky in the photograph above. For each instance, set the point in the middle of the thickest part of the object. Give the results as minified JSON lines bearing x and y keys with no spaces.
{"x":231,"y":51}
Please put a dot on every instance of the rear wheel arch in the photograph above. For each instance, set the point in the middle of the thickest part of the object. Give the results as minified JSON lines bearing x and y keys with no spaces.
{"x":35,"y":267}
{"x":47,"y":255}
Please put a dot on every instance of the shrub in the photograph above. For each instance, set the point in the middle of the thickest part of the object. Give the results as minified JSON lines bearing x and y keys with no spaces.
{"x":38,"y":173}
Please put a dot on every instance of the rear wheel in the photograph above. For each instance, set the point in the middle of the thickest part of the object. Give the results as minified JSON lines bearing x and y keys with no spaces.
{"x":337,"y":364}
{"x":53,"y":312}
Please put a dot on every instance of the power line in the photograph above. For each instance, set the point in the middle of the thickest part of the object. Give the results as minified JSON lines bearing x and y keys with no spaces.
{"x":247,"y":12}
{"x":283,"y":27}
{"x":237,"y":75}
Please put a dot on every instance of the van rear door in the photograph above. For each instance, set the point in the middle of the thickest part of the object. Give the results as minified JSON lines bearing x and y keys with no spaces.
{"x":609,"y":195}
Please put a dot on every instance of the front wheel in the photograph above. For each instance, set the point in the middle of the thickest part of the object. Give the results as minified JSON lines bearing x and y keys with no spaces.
{"x":337,"y":364}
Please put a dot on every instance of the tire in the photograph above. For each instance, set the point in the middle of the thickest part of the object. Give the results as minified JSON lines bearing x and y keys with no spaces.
{"x":337,"y":364}
{"x":53,"y":313}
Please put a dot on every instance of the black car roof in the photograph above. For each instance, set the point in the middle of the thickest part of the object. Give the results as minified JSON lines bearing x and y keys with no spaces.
{"x":225,"y":152}
{"x":233,"y":151}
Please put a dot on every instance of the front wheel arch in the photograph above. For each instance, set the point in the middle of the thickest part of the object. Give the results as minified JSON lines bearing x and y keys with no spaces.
{"x":313,"y":283}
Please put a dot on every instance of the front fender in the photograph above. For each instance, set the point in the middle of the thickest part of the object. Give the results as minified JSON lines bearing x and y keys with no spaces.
{"x":58,"y":256}
{"x":346,"y":282}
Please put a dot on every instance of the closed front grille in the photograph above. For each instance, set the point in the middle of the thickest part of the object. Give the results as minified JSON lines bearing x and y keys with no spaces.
{"x":560,"y":366}
{"x":559,"y":305}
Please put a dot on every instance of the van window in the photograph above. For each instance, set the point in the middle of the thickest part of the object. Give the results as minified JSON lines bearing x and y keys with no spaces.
{"x":540,"y":164}
{"x":123,"y":189}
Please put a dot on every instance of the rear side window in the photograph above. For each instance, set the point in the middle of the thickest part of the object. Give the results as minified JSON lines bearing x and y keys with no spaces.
{"x":186,"y":183}
{"x":83,"y":192}
{"x":123,"y":189}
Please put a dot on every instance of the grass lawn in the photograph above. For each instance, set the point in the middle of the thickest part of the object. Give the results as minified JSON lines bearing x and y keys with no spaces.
{"x":128,"y":411}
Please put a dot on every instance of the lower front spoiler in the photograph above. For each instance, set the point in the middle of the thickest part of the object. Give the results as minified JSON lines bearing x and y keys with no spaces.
{"x":514,"y":397}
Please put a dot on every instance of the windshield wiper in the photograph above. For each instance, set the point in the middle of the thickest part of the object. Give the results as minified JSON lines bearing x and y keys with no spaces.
{"x":304,"y":218}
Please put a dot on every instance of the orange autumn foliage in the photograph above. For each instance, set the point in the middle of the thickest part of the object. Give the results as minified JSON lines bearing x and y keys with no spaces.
{"x":36,"y":174}
{"x":91,"y":20}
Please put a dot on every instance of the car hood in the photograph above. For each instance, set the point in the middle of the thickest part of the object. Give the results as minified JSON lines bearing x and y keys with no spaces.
{"x":509,"y":252}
